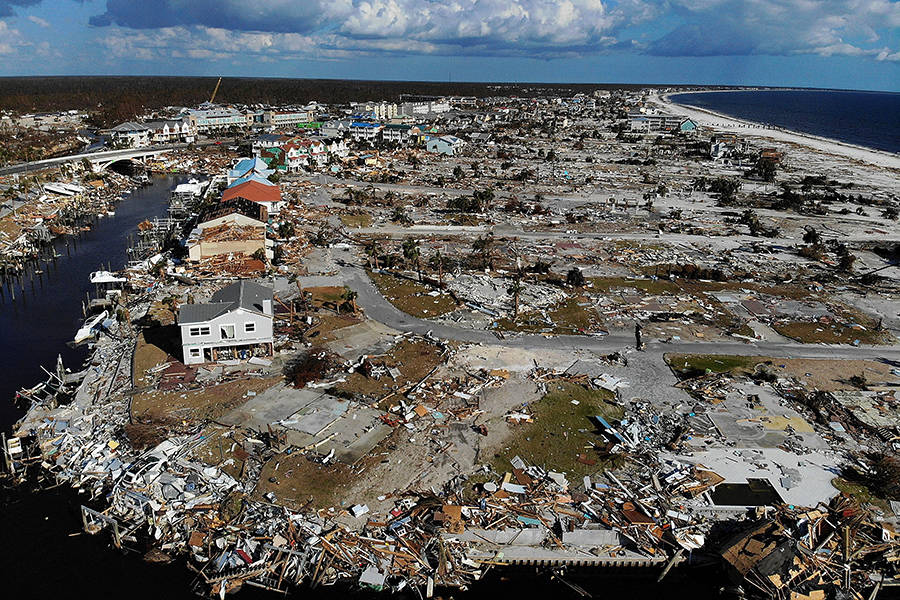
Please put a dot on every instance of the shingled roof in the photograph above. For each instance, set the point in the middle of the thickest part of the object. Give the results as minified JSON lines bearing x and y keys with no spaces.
{"x":243,"y":294}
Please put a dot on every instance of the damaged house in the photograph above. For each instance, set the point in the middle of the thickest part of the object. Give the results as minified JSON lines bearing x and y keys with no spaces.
{"x":237,"y":226}
{"x":236,"y":324}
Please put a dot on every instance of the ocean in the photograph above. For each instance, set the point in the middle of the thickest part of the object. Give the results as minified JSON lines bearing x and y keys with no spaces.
{"x":870,"y":119}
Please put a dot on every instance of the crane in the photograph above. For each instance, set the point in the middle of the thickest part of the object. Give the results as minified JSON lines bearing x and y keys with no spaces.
{"x":213,"y":97}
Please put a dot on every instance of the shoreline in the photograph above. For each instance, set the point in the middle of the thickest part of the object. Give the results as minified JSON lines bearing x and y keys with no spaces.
{"x":724,"y":122}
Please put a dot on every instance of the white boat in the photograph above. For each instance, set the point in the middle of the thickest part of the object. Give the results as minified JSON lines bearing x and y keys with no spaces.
{"x":90,"y":327}
{"x":106,"y":277}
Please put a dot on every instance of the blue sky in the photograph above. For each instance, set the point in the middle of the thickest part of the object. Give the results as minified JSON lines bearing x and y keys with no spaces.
{"x":829,"y":43}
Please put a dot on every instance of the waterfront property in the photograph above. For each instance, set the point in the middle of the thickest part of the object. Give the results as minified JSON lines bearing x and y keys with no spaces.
{"x":236,"y":324}
{"x":261,"y":192}
{"x":654,"y":122}
{"x":237,"y":226}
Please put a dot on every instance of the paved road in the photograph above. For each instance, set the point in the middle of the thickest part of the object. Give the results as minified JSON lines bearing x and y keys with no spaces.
{"x":378,"y":308}
{"x":727,"y":242}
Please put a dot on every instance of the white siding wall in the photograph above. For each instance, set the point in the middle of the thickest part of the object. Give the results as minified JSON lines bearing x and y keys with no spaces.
{"x":239,"y":318}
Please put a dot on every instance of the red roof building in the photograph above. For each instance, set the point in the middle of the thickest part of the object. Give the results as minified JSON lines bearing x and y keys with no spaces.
{"x":255,"y":192}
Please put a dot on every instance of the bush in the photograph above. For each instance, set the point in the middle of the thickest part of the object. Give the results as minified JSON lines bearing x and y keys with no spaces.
{"x":886,"y":479}
{"x":575,"y":277}
{"x":308,"y":366}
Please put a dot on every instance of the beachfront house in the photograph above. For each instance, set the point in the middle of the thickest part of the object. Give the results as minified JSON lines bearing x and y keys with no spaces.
{"x":236,"y":324}
{"x":687,"y":126}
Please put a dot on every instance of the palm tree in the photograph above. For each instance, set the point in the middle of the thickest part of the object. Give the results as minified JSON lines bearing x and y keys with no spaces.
{"x":411,"y":252}
{"x":348,"y":297}
{"x":440,"y":265}
{"x":514,"y":289}
{"x":484,"y":246}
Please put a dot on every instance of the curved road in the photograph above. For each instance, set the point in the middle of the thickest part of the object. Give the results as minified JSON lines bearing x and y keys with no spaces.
{"x":378,"y":308}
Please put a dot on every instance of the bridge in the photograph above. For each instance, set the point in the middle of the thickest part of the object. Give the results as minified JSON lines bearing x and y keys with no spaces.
{"x":99,"y":160}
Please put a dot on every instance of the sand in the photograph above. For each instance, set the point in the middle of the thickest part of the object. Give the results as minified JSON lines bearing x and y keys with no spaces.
{"x":750,"y":129}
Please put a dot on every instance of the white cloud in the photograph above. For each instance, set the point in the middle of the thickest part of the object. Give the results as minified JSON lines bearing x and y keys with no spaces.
{"x":779,"y":27}
{"x":533,"y":28}
{"x":10,"y":39}
{"x":38,"y":21}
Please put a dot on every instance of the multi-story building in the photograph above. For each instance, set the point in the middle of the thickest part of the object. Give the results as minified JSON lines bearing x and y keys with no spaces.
{"x":168,"y":132}
{"x":376,"y":110}
{"x":130,"y":134}
{"x":430,"y":107}
{"x":654,"y":122}
{"x":284,"y":118}
{"x":236,"y":324}
{"x":362,"y":131}
{"x":220,"y":117}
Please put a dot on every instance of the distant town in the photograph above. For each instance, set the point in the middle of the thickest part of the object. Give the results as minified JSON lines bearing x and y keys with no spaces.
{"x":397,"y":344}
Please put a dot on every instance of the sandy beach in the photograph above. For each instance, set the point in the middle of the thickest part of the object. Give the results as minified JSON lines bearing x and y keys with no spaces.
{"x":750,"y":129}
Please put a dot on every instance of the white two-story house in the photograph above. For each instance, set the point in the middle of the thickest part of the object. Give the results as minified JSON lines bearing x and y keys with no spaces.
{"x":236,"y":324}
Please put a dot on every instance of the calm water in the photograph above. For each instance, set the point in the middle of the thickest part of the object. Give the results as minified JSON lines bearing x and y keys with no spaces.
{"x":869,"y":119}
{"x":35,"y":328}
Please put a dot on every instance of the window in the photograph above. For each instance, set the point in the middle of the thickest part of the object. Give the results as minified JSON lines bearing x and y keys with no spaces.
{"x":195,"y":331}
{"x":195,"y":352}
{"x":227,"y":332}
{"x":249,"y":327}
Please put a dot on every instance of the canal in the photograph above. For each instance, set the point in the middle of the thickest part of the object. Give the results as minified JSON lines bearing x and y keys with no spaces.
{"x":46,"y":312}
{"x":43,"y":553}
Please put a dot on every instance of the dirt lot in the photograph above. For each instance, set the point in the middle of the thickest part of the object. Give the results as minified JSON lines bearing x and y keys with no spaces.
{"x":324,"y":330}
{"x":571,"y":317}
{"x":357,"y":220}
{"x":200,"y":404}
{"x":298,"y":482}
{"x":221,"y":451}
{"x":329,"y":297}
{"x":154,"y":345}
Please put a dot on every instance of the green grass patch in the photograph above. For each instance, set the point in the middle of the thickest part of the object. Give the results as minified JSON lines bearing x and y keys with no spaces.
{"x":859,"y":492}
{"x":561,"y":431}
{"x":649,"y":286}
{"x":833,"y":333}
{"x":568,"y":318}
{"x":412,"y":297}
{"x":692,"y":364}
{"x":357,"y":220}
